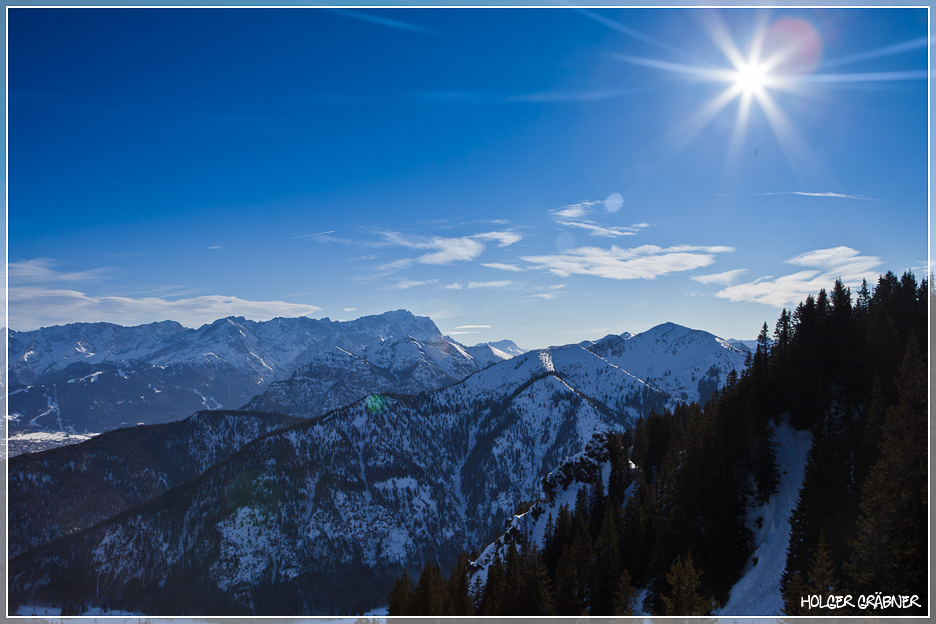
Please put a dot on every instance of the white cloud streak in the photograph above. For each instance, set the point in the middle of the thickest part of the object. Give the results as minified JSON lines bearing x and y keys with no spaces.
{"x":502,"y":266}
{"x":825,"y":194}
{"x":825,"y":266}
{"x":313,"y":235}
{"x":645,"y":262}
{"x":404,"y":284}
{"x":574,"y":216}
{"x":605,"y":231}
{"x":498,"y":284}
{"x":450,"y":250}
{"x":726,"y":278}
{"x":32,"y":307}
{"x":574,"y":211}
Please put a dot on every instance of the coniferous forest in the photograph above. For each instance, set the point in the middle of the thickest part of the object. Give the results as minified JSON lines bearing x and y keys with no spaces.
{"x":849,"y":367}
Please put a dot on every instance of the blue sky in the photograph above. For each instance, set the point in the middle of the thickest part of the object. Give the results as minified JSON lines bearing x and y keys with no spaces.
{"x":543,"y":175}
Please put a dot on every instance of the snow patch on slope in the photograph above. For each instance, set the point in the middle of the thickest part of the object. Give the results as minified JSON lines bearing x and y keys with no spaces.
{"x":757,"y":592}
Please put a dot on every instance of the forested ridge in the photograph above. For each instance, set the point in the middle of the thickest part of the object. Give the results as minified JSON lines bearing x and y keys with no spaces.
{"x":848,"y":367}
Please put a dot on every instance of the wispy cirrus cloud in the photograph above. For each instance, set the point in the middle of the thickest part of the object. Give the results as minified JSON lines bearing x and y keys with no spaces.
{"x":43,"y":270}
{"x":475,"y":285}
{"x":824,"y":194}
{"x":325,"y":233}
{"x":443,"y":250}
{"x":574,"y":215}
{"x":605,"y":231}
{"x":826,"y":265}
{"x":725,"y":278}
{"x":32,"y":307}
{"x":574,"y":211}
{"x":382,"y":20}
{"x":405,"y":284}
{"x":645,"y":262}
{"x":497,"y":284}
{"x":502,"y":266}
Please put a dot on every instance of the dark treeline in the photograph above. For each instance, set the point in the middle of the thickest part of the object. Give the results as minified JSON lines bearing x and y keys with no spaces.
{"x":851,"y":369}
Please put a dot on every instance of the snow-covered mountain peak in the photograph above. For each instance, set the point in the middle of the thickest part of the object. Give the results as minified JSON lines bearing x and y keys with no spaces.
{"x":396,"y":323}
{"x":508,"y":347}
{"x":686,"y":363}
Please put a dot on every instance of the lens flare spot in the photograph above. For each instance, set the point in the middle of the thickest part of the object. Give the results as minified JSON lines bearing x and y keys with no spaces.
{"x":792,"y":46}
{"x":614,"y":202}
{"x":376,"y":404}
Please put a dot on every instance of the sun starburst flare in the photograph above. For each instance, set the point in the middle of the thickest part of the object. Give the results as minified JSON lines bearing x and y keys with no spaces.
{"x":783,"y":56}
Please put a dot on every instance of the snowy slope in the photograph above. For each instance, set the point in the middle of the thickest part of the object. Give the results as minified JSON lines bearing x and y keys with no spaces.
{"x":757,"y":592}
{"x":407,"y":366}
{"x":66,"y":489}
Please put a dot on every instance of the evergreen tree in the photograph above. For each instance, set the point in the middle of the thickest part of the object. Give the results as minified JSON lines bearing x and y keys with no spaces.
{"x":821,"y":578}
{"x":871,"y":433}
{"x":606,"y":572}
{"x":625,"y":600}
{"x":684,"y":599}
{"x":534,"y":595}
{"x":400,"y":601}
{"x":793,"y":594}
{"x":766,"y":470}
{"x":596,"y":505}
{"x":459,"y":600}
{"x":890,"y":552}
{"x":572,"y":578}
{"x":495,"y":589}
{"x":429,"y":598}
{"x":512,"y":570}
{"x":780,"y":364}
{"x":641,"y":518}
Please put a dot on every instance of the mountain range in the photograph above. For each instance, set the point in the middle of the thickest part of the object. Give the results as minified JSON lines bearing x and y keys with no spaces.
{"x":93,"y":377}
{"x":362,"y":488}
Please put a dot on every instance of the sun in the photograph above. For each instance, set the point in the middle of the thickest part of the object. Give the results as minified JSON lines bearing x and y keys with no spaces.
{"x":751,"y":77}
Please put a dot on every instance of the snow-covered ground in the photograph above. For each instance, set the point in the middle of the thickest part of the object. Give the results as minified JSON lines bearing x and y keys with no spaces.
{"x":34,"y":441}
{"x":757,"y":592}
